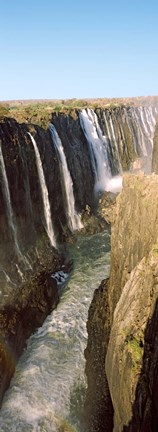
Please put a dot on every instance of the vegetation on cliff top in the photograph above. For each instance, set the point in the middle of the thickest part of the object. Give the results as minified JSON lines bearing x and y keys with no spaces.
{"x":39,"y":111}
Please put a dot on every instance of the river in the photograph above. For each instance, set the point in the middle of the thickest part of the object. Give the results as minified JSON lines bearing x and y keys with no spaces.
{"x":48,"y":385}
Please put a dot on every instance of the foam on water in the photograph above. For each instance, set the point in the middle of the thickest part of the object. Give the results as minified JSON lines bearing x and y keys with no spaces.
{"x":40,"y":392}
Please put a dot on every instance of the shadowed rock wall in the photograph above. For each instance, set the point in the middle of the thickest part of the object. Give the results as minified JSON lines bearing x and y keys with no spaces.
{"x":122,"y":128}
{"x":155,"y":151}
{"x":122,"y":326}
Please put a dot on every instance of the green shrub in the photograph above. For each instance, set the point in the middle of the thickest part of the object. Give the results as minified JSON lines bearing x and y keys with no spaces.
{"x":4,"y":112}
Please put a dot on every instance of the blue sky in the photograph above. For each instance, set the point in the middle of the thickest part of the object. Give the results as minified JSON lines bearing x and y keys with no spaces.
{"x":58,"y":49}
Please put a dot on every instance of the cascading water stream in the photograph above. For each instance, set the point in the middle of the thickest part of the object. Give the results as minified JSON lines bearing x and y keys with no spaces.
{"x":8,"y":202}
{"x":73,"y":219}
{"x":115,"y":152}
{"x":97,"y":148}
{"x":98,"y":152}
{"x":45,"y":388}
{"x":141,"y":134}
{"x":10,"y":216}
{"x":115,"y":143}
{"x":49,"y":371}
{"x":151,"y":120}
{"x":44,"y":192}
{"x":146,"y":127}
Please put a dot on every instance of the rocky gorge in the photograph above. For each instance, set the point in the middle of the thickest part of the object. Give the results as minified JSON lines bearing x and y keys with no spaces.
{"x":122,"y":318}
{"x":121,"y":351}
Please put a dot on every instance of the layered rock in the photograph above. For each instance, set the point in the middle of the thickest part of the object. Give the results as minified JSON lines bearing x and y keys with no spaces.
{"x":27,"y":293}
{"x":24,"y":309}
{"x":25,"y":194}
{"x":98,"y":405}
{"x":155,"y":151}
{"x":26,"y":286}
{"x":131,"y":354}
{"x":77,"y":155}
{"x":126,"y":132}
{"x":132,"y":351}
{"x":134,"y":231}
{"x":123,"y":328}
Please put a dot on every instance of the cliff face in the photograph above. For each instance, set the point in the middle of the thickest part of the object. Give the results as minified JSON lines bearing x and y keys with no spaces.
{"x":24,"y":188}
{"x":25,"y":192}
{"x":134,"y":231}
{"x":111,"y":137}
{"x":24,"y":310}
{"x":155,"y":151}
{"x":131,"y":360}
{"x":27,"y":292}
{"x":77,"y":155}
{"x":98,"y":405}
{"x":123,"y":328}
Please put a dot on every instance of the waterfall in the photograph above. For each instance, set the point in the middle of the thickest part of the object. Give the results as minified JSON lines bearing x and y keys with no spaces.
{"x":44,"y":191}
{"x":145,"y":130}
{"x":144,"y":124}
{"x":9,"y":209}
{"x":115,"y":143}
{"x":151,"y":120}
{"x":73,"y":219}
{"x":97,"y":148}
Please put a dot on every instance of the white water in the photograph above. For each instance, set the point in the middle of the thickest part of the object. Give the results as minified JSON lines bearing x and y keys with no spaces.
{"x":116,"y":144}
{"x":45,"y":197}
{"x":111,"y":138}
{"x":7,"y":278}
{"x":145,"y":124}
{"x":151,"y":120}
{"x":8,"y":202}
{"x":97,"y":148}
{"x":114,"y":184}
{"x":52,"y":368}
{"x":73,"y":219}
{"x":10,"y":215}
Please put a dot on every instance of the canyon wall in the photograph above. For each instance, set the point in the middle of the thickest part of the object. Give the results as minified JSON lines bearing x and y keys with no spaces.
{"x":122,"y":325}
{"x":155,"y":151}
{"x":133,"y":290}
{"x":91,"y":140}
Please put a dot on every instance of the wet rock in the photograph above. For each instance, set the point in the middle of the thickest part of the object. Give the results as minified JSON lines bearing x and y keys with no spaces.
{"x":77,"y":156}
{"x":92,"y":223}
{"x":98,"y":406}
{"x":23,"y":311}
{"x":107,"y":205}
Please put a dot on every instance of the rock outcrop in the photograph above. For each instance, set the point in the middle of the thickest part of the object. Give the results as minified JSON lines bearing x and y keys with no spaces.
{"x":131,"y":360}
{"x":98,"y":405}
{"x":155,"y":151}
{"x":121,"y":130}
{"x":24,"y":310}
{"x":26,"y":292}
{"x":134,"y":231}
{"x":123,"y":330}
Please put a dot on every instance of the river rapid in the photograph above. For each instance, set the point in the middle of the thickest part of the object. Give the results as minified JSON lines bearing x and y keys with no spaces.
{"x":47,"y":390}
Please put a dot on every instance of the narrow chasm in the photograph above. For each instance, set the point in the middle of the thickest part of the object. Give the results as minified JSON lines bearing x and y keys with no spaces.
{"x":67,"y":347}
{"x":98,"y":409}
